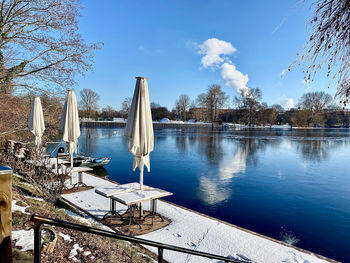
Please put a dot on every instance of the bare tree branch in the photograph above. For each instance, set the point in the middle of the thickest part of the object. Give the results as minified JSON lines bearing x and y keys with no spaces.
{"x":40,"y":44}
{"x":328,"y":47}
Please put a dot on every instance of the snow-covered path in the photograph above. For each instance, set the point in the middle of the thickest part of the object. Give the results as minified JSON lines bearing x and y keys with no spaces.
{"x":195,"y":231}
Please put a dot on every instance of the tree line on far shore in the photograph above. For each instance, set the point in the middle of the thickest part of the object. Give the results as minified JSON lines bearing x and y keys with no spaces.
{"x":41,"y":52}
{"x":314,"y":109}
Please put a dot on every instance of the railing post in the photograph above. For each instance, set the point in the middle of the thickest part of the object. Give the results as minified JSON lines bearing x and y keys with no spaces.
{"x":37,"y":244}
{"x":161,"y":246}
{"x":160,"y":255}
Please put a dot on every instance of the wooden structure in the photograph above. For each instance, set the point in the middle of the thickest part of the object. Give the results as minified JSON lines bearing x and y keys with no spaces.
{"x":5,"y":214}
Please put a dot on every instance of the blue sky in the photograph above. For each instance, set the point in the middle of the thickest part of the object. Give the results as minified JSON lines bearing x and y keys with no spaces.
{"x":161,"y":40}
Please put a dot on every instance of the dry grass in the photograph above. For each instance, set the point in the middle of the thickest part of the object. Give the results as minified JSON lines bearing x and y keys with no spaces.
{"x":102,"y":249}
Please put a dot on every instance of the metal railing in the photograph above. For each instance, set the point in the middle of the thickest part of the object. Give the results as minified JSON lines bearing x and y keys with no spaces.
{"x":39,"y":220}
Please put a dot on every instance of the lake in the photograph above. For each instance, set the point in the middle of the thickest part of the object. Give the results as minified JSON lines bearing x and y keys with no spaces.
{"x":292,"y":185}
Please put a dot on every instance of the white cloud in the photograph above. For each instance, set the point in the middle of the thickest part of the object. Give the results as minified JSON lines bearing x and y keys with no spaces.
{"x":289,"y":103}
{"x":234,"y":78}
{"x":214,"y":51}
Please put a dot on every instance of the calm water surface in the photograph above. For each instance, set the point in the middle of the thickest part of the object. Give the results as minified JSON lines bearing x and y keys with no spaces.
{"x":290,"y":185}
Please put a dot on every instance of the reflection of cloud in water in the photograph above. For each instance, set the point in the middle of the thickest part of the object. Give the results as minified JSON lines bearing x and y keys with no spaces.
{"x":288,"y":144}
{"x":216,"y":189}
{"x":280,"y":174}
{"x":303,"y":165}
{"x":211,"y":192}
{"x":231,"y":166}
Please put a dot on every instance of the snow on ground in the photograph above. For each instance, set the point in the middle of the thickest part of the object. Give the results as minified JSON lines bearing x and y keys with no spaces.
{"x":19,"y":208}
{"x":24,"y":239}
{"x":85,"y":219}
{"x":81,"y":219}
{"x":65,"y":237}
{"x":194,"y":231}
{"x":34,"y":198}
{"x":74,"y":251}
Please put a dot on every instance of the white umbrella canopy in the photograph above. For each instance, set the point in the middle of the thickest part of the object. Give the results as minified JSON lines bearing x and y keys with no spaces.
{"x":69,"y":123}
{"x":139,"y":128}
{"x":36,"y":123}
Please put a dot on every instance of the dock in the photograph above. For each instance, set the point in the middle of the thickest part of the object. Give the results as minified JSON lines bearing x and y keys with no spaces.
{"x":190,"y":229}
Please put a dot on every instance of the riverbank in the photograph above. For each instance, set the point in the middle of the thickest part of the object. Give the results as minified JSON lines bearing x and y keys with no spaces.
{"x":60,"y":244}
{"x":206,"y":125}
{"x":114,"y":124}
{"x":193,"y":230}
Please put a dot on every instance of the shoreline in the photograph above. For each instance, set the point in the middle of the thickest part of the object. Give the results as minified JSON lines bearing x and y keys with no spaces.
{"x":206,"y":125}
{"x":80,"y":199}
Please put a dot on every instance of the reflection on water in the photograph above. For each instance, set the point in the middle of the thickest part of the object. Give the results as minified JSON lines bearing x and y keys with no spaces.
{"x":318,"y":150}
{"x":100,"y":171}
{"x":87,"y":143}
{"x":295,"y":180}
{"x":215,"y":188}
{"x":231,"y":160}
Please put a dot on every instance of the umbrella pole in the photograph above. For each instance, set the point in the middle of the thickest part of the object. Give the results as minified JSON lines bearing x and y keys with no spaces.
{"x":141,"y":188}
{"x":141,"y":179}
{"x":71,"y":160}
{"x":71,"y":166}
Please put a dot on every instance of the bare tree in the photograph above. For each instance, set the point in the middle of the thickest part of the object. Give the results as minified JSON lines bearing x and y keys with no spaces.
{"x":108,"y":112}
{"x":89,"y":101}
{"x":216,"y":99}
{"x":155,"y":105}
{"x":213,"y":100}
{"x":202,"y":100}
{"x":329,"y":45}
{"x":250,"y":105}
{"x":40,"y":45}
{"x":278,"y":108}
{"x":14,"y":112}
{"x":315,"y":101}
{"x":126,"y":107}
{"x":193,"y":104}
{"x":182,"y":105}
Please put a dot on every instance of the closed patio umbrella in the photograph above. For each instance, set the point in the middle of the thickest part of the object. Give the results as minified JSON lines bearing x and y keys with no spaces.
{"x":69,"y":123}
{"x":36,"y":123}
{"x":139,"y":128}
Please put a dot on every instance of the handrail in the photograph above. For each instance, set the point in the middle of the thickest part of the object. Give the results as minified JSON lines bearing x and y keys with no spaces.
{"x":161,"y":246}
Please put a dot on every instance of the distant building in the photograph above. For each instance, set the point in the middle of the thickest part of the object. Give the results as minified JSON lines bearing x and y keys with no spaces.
{"x":199,"y":114}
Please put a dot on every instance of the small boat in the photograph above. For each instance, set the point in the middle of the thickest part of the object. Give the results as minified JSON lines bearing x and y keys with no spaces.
{"x":92,"y":162}
{"x":80,"y":160}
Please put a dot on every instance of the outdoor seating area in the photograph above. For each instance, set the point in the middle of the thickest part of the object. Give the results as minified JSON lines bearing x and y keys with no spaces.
{"x":79,"y":185}
{"x":130,"y":196}
{"x":181,"y":227}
